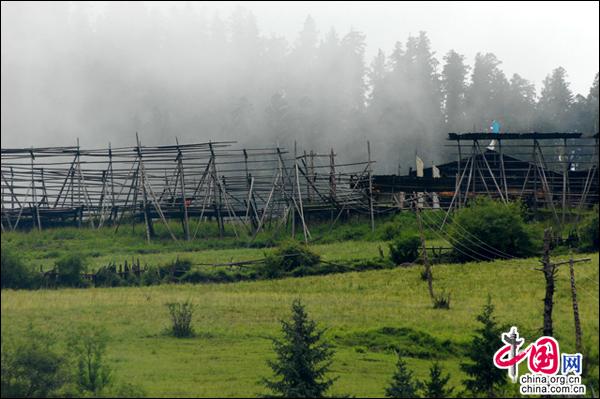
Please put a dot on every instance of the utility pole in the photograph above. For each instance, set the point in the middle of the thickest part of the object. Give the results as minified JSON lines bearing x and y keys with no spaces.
{"x":549,"y":269}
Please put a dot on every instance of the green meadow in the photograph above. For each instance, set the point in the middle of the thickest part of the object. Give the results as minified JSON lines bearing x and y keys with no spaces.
{"x":366,"y":314}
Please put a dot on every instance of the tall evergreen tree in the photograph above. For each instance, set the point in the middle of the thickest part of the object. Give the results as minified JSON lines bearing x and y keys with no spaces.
{"x":376,"y":77}
{"x":486,"y":95}
{"x":303,"y":358}
{"x":403,"y":384}
{"x":555,"y":102}
{"x":483,"y":376}
{"x":520,"y":105}
{"x":592,"y":100}
{"x":454,"y":88}
{"x":435,"y":387}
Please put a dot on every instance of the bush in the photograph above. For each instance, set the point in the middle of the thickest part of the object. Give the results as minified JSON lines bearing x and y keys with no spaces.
{"x":106,"y":276}
{"x":151,"y":277}
{"x":33,"y":368}
{"x":405,"y":249}
{"x":69,"y":269}
{"x":14,"y":273}
{"x":588,"y":232}
{"x":174,"y":271}
{"x":89,"y":348}
{"x":290,"y":259}
{"x":181,"y":319}
{"x":441,"y":301}
{"x":490,"y":229}
{"x":220,"y":276}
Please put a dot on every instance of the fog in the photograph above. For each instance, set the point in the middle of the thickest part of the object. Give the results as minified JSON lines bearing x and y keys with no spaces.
{"x":333,"y":75}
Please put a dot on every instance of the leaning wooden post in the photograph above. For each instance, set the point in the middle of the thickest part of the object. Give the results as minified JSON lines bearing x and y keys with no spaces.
{"x":294,"y":189}
{"x":458,"y":186}
{"x":564,"y":181}
{"x":301,"y":210}
{"x":578,"y":346}
{"x":12,"y":183}
{"x":549,"y":271}
{"x":313,"y":176}
{"x":35,"y":214}
{"x":147,"y":218}
{"x":332,"y":189}
{"x":186,"y":225}
{"x":370,"y":187}
{"x":217,"y":186}
{"x":112,"y":184}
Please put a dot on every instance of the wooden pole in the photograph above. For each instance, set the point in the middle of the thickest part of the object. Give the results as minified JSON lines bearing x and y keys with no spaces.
{"x":564,"y":181}
{"x":301,"y":209}
{"x":217,"y":186}
{"x":370,"y":187}
{"x":578,"y":346}
{"x":549,"y":271}
{"x":147,"y":218}
{"x":186,"y":224}
{"x":294,"y":189}
{"x":458,"y":188}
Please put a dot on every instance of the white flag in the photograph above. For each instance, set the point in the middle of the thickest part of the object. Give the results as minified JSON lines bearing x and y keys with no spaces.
{"x":419,"y":167}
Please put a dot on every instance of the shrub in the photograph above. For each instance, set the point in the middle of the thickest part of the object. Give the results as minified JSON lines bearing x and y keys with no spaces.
{"x":221,"y":276}
{"x":14,"y":273}
{"x":175,"y":270}
{"x":490,"y":229}
{"x":588,"y":232}
{"x":401,"y":223}
{"x":291,"y":258}
{"x":151,"y":277}
{"x":89,"y":347}
{"x":181,"y":318}
{"x":106,"y":276}
{"x":69,"y":269}
{"x":441,"y":301}
{"x":405,"y":249}
{"x":33,"y":367}
{"x":389,"y":230}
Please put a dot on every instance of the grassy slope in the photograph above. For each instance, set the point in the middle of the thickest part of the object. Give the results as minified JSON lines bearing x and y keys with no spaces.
{"x":42,"y":249}
{"x":234,"y":321}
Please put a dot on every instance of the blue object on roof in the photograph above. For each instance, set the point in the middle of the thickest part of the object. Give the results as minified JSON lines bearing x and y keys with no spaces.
{"x":495,"y":126}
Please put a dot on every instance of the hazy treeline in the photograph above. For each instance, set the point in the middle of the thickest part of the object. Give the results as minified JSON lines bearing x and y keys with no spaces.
{"x":71,"y":70}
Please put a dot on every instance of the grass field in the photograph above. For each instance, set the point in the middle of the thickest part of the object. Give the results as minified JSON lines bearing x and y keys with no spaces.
{"x":235,"y":321}
{"x":41,"y":249}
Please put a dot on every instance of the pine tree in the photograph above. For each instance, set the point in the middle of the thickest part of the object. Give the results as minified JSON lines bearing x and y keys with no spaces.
{"x":520,"y":105}
{"x":484,"y":377}
{"x":435,"y":387}
{"x":403,"y":384}
{"x":454,"y":89}
{"x":555,"y":102}
{"x":592,"y":100}
{"x":303,"y":358}
{"x":486,"y":96}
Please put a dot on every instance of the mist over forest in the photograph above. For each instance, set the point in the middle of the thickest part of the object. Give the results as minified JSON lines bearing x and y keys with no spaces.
{"x":70,"y":72}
